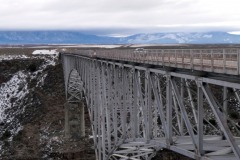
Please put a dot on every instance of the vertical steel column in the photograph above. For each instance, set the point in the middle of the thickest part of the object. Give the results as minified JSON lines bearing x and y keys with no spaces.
{"x":124,"y":98}
{"x":106,"y":105}
{"x":111,"y":132}
{"x":182,"y":97}
{"x":200,"y":118}
{"x":169,"y":110}
{"x":93,"y":104}
{"x":150,"y":110}
{"x":98,"y":111}
{"x":115,"y":104}
{"x":135,"y":106}
{"x":102,"y":109}
{"x":118,"y":105}
{"x":225,"y":102}
{"x":148,"y":107}
{"x":131,"y":102}
{"x":141,"y":106}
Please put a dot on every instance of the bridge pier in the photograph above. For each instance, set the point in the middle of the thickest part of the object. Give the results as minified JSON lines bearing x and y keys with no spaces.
{"x":82,"y":120}
{"x":74,"y":120}
{"x":66,"y":125}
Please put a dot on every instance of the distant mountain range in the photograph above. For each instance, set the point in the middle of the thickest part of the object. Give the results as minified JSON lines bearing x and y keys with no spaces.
{"x":74,"y":37}
{"x":52,"y":37}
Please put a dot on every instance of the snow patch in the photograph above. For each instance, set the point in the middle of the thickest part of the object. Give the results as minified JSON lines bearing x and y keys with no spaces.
{"x":179,"y":39}
{"x":14,"y":89}
{"x":49,"y":60}
{"x":41,"y":80}
{"x":207,"y":36}
{"x":45,"y":52}
{"x":235,"y":32}
{"x":11,"y":57}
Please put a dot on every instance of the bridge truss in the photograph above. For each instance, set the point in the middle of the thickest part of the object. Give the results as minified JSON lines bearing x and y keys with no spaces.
{"x":137,"y":110}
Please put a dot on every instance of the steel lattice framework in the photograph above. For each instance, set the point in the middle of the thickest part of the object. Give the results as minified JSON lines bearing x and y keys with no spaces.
{"x":136,"y":110}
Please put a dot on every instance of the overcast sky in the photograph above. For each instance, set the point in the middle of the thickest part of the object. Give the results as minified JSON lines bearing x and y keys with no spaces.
{"x":121,"y":16}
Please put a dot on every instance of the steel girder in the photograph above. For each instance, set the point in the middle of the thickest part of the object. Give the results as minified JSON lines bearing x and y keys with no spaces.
{"x":136,"y":111}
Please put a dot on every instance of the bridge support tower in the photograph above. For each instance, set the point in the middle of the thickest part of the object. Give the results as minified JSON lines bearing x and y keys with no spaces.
{"x":74,"y":108}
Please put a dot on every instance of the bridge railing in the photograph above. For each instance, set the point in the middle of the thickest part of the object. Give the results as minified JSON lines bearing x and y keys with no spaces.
{"x":226,"y":60}
{"x":223,"y":60}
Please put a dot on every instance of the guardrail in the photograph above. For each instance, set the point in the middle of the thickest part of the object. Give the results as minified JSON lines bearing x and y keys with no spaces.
{"x":223,"y":60}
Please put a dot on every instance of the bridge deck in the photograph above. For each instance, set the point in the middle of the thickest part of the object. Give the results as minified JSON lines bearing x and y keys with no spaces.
{"x":210,"y":60}
{"x":222,"y":60}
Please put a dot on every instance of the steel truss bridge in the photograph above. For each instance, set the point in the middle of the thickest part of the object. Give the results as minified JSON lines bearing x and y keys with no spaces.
{"x":139,"y":102}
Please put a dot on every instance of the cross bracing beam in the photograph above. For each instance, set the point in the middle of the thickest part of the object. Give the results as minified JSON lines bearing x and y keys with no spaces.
{"x":136,"y":110}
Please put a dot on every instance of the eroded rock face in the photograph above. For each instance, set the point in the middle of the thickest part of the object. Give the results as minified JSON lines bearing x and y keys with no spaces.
{"x":17,"y":99}
{"x":32,"y":101}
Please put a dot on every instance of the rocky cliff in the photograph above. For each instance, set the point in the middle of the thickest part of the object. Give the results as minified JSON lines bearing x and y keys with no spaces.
{"x":32,"y":101}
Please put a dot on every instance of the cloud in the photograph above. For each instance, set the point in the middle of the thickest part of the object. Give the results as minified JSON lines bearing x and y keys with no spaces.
{"x":121,"y":16}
